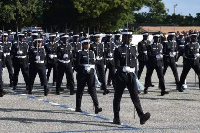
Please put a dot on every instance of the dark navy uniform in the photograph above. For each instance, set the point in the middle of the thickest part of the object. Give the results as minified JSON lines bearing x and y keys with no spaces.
{"x":8,"y":59}
{"x":180,"y":44}
{"x":169,"y":57}
{"x":142,"y":55}
{"x":155,"y":56}
{"x":51,"y":51}
{"x":98,"y":49}
{"x":37,"y":57}
{"x":76,"y":47}
{"x":2,"y":66}
{"x":19,"y":52}
{"x":126,"y":63}
{"x":85,"y":65}
{"x":65,"y":58}
{"x":191,"y":60}
{"x":109,"y":48}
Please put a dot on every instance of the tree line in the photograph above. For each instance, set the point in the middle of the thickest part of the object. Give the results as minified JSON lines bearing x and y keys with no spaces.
{"x":86,"y":15}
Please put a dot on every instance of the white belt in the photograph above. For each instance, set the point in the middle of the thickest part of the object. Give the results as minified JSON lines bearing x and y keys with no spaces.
{"x":39,"y":61}
{"x":5,"y":54}
{"x":53,"y":55}
{"x":20,"y":57}
{"x":109,"y":58}
{"x":89,"y":65}
{"x":100,"y":58}
{"x":62,"y":61}
{"x":181,"y":45}
{"x":132,"y":70}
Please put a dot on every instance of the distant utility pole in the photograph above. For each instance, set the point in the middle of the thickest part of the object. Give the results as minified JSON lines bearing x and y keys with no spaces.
{"x":175,"y":9}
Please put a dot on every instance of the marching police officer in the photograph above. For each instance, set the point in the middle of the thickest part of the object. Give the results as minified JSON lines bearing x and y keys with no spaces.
{"x":2,"y":66}
{"x":85,"y":65}
{"x":180,"y":44}
{"x":19,"y":52}
{"x":37,"y":57}
{"x":169,"y":55}
{"x":98,"y":49}
{"x":65,"y":58}
{"x":51,"y":51}
{"x":125,"y":63}
{"x":142,"y":54}
{"x":8,"y":59}
{"x":191,"y":60}
{"x":76,"y":47}
{"x":155,"y":56}
{"x":117,"y":40}
{"x":109,"y":47}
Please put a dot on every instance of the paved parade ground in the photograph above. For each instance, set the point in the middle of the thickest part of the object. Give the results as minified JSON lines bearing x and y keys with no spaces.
{"x":176,"y":112}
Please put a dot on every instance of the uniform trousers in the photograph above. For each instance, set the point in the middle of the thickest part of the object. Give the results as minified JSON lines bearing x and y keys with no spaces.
{"x":129,"y":82}
{"x":67,"y":69}
{"x":24,"y":68}
{"x":55,"y":71}
{"x":82,"y":79}
{"x":41,"y":70}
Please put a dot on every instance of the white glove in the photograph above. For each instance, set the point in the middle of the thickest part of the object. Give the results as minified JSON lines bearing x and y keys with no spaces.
{"x":197,"y":55}
{"x":51,"y":56}
{"x":97,"y":57}
{"x":145,"y":52}
{"x":87,"y":68}
{"x":2,"y":69}
{"x":37,"y":57}
{"x":126,"y":69}
{"x":110,"y":54}
{"x":65,"y":56}
{"x":19,"y":52}
{"x":158,"y":56}
{"x":46,"y":70}
{"x":28,"y":63}
{"x":104,"y":66}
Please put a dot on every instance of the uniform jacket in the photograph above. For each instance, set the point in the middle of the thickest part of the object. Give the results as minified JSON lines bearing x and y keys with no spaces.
{"x":169,"y":46}
{"x":85,"y":57}
{"x":65,"y":49}
{"x":51,"y":49}
{"x":142,"y":50}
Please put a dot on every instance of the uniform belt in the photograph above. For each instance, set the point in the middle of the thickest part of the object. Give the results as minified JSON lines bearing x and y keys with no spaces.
{"x":89,"y":65}
{"x":22,"y":57}
{"x":63,"y":61}
{"x":39,"y":61}
{"x":132,"y":70}
{"x":181,"y":45}
{"x":109,"y":58}
{"x":5,"y":54}
{"x":53,"y":55}
{"x":100,"y":58}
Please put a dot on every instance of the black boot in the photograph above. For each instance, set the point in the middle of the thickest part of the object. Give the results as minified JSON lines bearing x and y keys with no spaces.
{"x":146,"y":90}
{"x":97,"y":110}
{"x":144,"y":118}
{"x":46,"y":92}
{"x":3,"y":93}
{"x":57,"y":91}
{"x":116,"y":121}
{"x":164,"y":93}
{"x":106,"y":91}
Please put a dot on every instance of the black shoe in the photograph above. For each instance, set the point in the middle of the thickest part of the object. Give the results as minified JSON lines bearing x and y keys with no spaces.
{"x":3,"y":93}
{"x":53,"y":84}
{"x":72,"y":92}
{"x":152,"y":85}
{"x":145,"y":91}
{"x":164,"y":93}
{"x":30,"y":92}
{"x":106,"y":92}
{"x":116,"y":121}
{"x":47,"y":92}
{"x":108,"y":84}
{"x":97,"y":110}
{"x":57,"y":92}
{"x":78,"y":110}
{"x":144,"y":118}
{"x":11,"y":84}
{"x":14,"y":88}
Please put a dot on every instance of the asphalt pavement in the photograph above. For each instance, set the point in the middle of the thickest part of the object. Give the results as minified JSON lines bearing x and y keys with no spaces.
{"x":175,"y":112}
